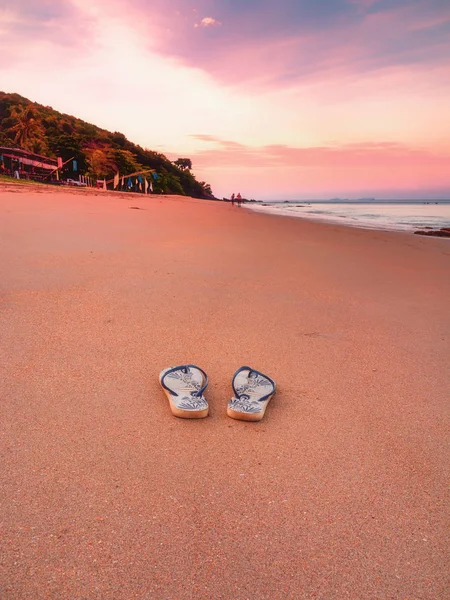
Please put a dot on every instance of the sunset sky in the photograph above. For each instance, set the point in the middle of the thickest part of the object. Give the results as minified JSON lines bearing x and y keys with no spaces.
{"x":274,"y":99}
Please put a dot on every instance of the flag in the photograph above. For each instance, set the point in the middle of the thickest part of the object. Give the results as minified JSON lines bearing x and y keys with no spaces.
{"x":75,"y":166}
{"x":116,"y":180}
{"x":60,"y":162}
{"x":146,"y":185}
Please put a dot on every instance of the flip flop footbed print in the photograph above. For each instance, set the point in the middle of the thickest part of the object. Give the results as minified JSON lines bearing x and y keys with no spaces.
{"x":253,"y":390}
{"x":184,"y":386}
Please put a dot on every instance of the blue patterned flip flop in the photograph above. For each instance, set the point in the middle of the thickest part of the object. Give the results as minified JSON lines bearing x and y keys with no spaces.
{"x":184,"y":387}
{"x":252,"y":393}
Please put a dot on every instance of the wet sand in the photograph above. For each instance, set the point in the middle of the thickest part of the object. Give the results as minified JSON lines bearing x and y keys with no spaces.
{"x":340,"y":492}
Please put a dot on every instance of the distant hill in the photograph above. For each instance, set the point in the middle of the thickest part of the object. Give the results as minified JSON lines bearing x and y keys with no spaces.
{"x":99,"y":153}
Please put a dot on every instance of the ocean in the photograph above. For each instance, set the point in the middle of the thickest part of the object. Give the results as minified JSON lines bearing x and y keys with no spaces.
{"x":394,"y":215}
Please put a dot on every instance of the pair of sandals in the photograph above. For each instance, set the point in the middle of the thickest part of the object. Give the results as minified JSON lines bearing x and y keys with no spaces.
{"x":184,"y":387}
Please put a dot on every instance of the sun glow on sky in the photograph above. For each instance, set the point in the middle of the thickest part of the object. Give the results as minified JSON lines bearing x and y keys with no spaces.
{"x":290,"y":99}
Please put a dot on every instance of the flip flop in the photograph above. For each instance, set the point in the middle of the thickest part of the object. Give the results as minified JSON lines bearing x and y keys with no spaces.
{"x":252,"y":393}
{"x":184,"y":387}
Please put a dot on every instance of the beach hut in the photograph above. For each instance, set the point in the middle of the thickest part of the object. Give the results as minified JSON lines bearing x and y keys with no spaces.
{"x":27,"y":165}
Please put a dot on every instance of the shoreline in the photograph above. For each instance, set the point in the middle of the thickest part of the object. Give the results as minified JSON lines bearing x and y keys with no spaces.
{"x":282,"y":209}
{"x":338,"y":493}
{"x":48,"y":188}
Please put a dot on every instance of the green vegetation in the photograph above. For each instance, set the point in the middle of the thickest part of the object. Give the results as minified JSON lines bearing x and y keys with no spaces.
{"x":183,"y":163}
{"x":99,"y":153}
{"x":8,"y":179}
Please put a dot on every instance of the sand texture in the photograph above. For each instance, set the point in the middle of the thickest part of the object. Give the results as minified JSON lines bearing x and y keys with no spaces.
{"x":340,"y":492}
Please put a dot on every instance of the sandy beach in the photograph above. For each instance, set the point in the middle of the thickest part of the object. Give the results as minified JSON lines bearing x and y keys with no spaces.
{"x":340,"y":492}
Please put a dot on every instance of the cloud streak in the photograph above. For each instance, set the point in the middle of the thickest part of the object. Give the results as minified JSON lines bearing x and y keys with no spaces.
{"x":384,"y":169}
{"x":26,"y":21}
{"x":45,"y":30}
{"x":252,"y":44}
{"x":226,"y":153}
{"x":259,"y":44}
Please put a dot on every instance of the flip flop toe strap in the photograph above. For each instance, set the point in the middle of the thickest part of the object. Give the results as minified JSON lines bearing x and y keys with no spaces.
{"x":243,"y":392}
{"x":185,"y":369}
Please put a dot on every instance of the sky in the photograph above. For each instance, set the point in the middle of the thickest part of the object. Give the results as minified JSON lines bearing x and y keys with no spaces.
{"x":275,"y":99}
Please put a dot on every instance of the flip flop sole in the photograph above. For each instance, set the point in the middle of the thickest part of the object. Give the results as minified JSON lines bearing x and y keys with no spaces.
{"x":185,"y":414}
{"x":244,"y":416}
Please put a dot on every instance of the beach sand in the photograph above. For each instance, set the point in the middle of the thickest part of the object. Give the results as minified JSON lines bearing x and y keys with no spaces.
{"x":340,"y":492}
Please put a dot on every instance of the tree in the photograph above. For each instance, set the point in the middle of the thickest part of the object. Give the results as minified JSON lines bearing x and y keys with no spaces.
{"x":206,"y":189}
{"x":26,"y":127}
{"x":98,"y":162}
{"x":118,"y":138}
{"x":5,"y":140}
{"x":68,"y":146}
{"x":98,"y":152}
{"x":183,"y":163}
{"x":124,"y":161}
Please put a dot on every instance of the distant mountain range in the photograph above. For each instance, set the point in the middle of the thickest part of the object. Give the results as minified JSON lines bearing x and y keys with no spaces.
{"x":98,"y":153}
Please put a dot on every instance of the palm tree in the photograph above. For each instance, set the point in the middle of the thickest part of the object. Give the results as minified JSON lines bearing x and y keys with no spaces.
{"x":206,"y":188}
{"x":26,"y":126}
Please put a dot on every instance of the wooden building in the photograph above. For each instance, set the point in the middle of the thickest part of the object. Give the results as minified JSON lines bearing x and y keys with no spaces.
{"x":27,"y":164}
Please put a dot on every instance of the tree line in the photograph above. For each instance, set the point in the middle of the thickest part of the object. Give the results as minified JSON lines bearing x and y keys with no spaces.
{"x":98,"y":153}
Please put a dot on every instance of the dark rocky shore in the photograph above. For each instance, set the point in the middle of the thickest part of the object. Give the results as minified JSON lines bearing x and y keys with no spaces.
{"x":443,"y":232}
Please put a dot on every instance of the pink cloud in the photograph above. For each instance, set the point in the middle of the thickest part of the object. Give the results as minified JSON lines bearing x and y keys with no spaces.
{"x":239,"y":45}
{"x":269,"y":47}
{"x":208,"y":22}
{"x":274,"y":171}
{"x":369,"y":156}
{"x":47,"y":29}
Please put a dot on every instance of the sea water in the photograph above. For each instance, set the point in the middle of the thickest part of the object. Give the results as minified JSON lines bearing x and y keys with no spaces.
{"x":403,"y":215}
